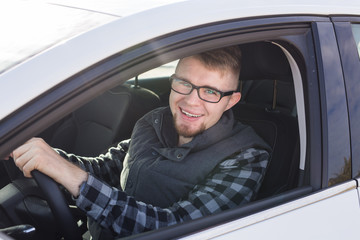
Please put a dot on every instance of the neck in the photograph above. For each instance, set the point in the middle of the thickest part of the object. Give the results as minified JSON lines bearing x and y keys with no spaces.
{"x":183,"y":140}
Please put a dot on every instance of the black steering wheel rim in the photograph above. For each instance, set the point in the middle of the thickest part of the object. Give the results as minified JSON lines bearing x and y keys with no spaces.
{"x":58,"y":205}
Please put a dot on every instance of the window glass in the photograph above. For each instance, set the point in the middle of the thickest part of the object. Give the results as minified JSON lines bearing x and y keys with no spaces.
{"x":165,"y":70}
{"x":356,"y":31}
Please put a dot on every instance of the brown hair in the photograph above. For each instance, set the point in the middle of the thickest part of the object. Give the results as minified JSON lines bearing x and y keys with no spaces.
{"x":223,"y":59}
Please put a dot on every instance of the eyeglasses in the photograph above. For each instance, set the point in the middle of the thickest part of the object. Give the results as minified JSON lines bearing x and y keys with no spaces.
{"x":206,"y":94}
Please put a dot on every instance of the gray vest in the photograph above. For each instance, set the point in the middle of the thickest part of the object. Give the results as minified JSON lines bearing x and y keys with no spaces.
{"x":158,"y":172}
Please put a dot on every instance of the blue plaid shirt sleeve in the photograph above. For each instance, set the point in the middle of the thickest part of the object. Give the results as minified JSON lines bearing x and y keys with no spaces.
{"x":234,"y":182}
{"x":105,"y":166}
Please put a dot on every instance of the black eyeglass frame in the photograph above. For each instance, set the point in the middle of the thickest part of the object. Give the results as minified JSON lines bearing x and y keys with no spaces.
{"x":222,"y":94}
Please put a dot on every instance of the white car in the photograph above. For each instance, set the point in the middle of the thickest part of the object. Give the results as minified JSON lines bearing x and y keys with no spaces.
{"x":300,"y":84}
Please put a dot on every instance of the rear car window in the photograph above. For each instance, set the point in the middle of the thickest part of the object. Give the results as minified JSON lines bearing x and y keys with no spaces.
{"x":356,"y":32}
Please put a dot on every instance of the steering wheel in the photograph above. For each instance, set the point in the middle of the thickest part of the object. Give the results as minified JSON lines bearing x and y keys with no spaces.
{"x":58,"y":205}
{"x":53,"y":196}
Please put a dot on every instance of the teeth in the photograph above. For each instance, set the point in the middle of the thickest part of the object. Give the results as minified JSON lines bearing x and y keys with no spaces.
{"x":189,"y":114}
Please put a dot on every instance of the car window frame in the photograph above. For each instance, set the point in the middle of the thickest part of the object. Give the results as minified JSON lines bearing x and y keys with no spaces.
{"x":332,"y":93}
{"x":351,"y":69}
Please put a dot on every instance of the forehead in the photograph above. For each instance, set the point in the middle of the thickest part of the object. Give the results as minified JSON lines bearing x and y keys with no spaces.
{"x":195,"y":71}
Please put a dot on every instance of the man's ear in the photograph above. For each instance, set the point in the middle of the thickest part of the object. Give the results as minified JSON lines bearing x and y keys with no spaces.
{"x":234,"y":99}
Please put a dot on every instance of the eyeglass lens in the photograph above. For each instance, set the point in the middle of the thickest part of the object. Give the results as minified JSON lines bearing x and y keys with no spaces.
{"x":205,"y":93}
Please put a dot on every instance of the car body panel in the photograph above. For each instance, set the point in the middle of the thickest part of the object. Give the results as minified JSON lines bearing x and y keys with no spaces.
{"x":292,"y":219}
{"x":37,"y":26}
{"x":46,"y":23}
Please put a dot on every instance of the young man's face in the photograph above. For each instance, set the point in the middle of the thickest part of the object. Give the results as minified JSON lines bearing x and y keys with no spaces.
{"x":191,"y":114}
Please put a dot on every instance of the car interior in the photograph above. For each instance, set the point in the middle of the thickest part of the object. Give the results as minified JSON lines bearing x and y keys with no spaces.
{"x":268,"y":104}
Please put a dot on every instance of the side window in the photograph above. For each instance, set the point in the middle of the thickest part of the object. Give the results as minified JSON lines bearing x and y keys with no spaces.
{"x":157,"y":80}
{"x":165,"y":70}
{"x":356,"y":32}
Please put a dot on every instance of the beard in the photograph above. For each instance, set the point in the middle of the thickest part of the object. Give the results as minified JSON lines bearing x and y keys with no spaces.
{"x":186,"y":130}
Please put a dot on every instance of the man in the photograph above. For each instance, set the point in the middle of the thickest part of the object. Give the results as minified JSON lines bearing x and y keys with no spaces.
{"x":185,"y":161}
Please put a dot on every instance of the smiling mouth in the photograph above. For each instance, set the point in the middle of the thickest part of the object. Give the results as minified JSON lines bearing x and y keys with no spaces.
{"x":189,"y":114}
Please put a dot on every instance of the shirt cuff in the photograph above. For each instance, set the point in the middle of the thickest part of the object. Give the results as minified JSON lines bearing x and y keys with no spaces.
{"x":94,"y":197}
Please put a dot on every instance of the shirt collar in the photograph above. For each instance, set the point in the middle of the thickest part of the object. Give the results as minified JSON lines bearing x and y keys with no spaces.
{"x":168,"y":136}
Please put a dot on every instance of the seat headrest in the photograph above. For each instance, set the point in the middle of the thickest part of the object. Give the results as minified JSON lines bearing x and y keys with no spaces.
{"x":264,"y":60}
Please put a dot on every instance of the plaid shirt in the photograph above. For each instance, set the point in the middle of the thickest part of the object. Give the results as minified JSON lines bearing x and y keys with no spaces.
{"x":234,"y":182}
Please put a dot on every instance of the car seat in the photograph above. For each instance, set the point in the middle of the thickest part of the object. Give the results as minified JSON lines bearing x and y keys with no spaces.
{"x":104,"y":121}
{"x":268,"y":103}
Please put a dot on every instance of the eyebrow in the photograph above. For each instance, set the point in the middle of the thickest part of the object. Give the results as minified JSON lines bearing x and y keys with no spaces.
{"x":205,"y":86}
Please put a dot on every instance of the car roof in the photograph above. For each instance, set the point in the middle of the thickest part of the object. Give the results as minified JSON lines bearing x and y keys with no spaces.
{"x":58,"y":62}
{"x":32,"y":26}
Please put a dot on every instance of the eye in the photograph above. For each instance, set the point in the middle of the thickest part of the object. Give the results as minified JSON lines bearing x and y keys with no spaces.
{"x":209,"y":91}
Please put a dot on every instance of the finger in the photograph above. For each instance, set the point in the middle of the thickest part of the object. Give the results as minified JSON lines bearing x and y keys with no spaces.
{"x":22,"y":160}
{"x":29,"y":161}
{"x":30,"y":152}
{"x":37,"y":154}
{"x":18,"y":152}
{"x":21,"y":149}
{"x":28,"y":167}
{"x":34,"y":144}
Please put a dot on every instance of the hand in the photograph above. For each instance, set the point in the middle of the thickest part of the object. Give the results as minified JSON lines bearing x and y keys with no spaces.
{"x":37,"y":154}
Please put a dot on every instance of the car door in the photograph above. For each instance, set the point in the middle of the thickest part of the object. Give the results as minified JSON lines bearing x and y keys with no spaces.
{"x":309,"y":44}
{"x":332,"y":210}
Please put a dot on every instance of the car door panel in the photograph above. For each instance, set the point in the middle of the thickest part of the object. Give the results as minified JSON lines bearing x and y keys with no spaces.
{"x":299,"y":219}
